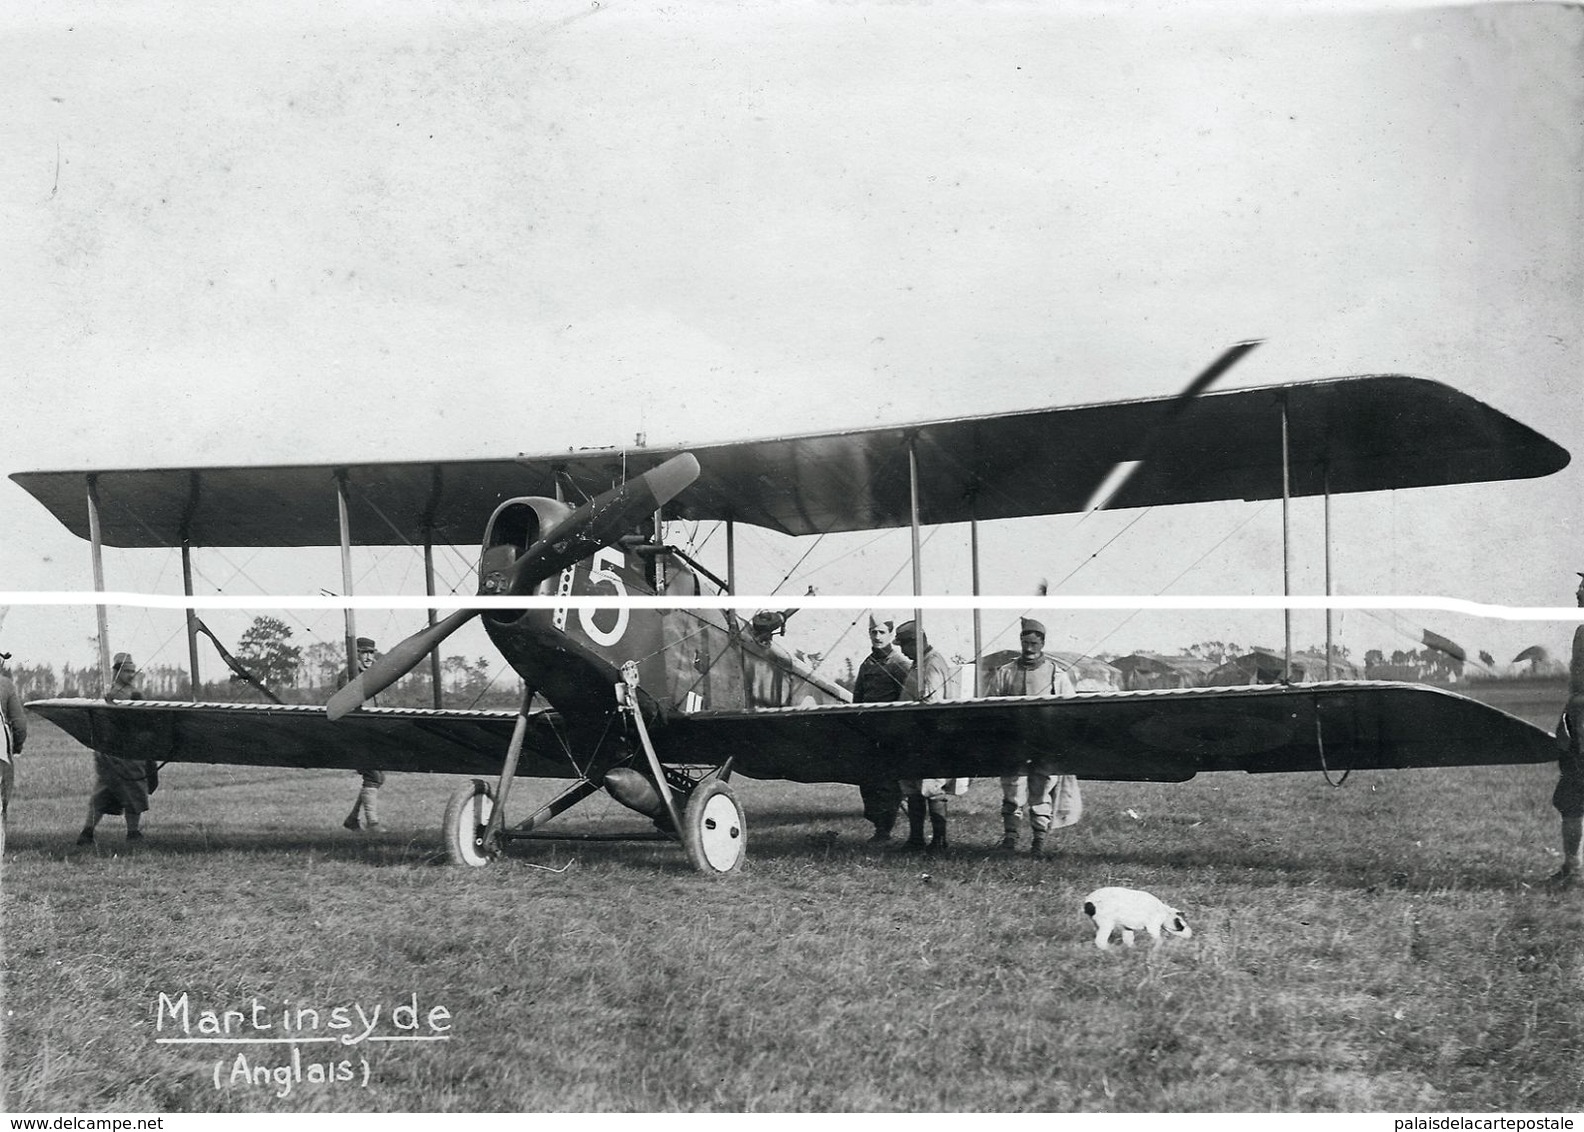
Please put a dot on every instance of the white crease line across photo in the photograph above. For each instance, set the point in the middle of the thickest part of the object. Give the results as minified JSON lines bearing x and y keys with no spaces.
{"x":1400,"y":602}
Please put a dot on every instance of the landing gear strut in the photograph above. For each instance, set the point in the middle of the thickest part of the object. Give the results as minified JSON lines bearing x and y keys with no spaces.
{"x":704,"y":814}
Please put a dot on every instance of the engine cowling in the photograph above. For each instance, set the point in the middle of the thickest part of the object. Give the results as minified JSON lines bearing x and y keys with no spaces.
{"x":515,"y":526}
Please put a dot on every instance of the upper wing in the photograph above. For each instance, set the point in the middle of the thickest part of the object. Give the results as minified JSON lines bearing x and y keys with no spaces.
{"x":1354,"y":434}
{"x":410,"y":739}
{"x":1165,"y":736}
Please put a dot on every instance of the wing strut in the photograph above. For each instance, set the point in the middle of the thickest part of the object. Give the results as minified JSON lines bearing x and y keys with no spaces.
{"x":346,"y":571}
{"x":429,"y":589}
{"x":193,"y":491}
{"x":1325,"y":474}
{"x":978,"y":631}
{"x":192,"y":618}
{"x":1286,"y":452}
{"x":96,"y":551}
{"x":918,"y":571}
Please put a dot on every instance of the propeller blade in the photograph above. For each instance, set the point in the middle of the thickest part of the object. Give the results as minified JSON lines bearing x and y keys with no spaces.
{"x":1229,"y":358}
{"x":395,"y":664}
{"x":601,"y":521}
{"x":1119,"y":476}
{"x":598,"y":523}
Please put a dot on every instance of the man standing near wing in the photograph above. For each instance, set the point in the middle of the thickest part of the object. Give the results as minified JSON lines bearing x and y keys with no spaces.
{"x":13,"y":724}
{"x":880,"y":679}
{"x":1050,"y":798}
{"x":931,"y":680}
{"x":366,"y":805}
{"x":121,"y":786}
{"x":1568,"y":798}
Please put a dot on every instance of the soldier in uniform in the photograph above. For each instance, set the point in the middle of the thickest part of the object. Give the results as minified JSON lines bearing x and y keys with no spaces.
{"x":1568,"y":798}
{"x":13,"y":733}
{"x":121,"y":786}
{"x":367,"y":804}
{"x":880,"y":679}
{"x":1033,"y":674}
{"x":932,"y":679}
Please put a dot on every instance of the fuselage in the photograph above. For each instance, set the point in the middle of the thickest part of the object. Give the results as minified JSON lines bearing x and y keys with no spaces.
{"x":687,"y":660}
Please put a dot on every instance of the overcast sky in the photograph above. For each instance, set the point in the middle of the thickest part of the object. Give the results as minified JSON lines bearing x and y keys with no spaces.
{"x":321,"y":232}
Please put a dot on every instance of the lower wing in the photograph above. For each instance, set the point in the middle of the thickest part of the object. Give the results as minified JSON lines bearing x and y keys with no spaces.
{"x":1162,"y":736}
{"x":408,"y":739}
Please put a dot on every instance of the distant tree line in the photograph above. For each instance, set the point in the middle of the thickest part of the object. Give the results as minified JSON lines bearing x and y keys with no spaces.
{"x":1430,"y":665}
{"x":297,"y":674}
{"x":1422,"y":665}
{"x":311,"y":674}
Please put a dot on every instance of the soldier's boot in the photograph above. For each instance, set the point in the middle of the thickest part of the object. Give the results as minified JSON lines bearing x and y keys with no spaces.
{"x":87,"y":835}
{"x":917,"y":808}
{"x":937,"y":816}
{"x":1572,"y":852}
{"x":1012,"y":826}
{"x":368,"y":799}
{"x":882,"y":830}
{"x":1037,"y":844}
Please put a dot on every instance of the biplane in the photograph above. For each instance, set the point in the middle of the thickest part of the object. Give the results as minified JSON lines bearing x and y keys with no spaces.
{"x":660,"y":707}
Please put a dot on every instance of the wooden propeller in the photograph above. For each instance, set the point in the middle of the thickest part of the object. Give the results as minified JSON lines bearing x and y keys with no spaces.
{"x":597,"y":523}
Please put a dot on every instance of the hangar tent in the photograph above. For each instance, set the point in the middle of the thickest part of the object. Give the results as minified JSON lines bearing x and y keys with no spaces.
{"x":1145,"y":670}
{"x":1265,"y":666}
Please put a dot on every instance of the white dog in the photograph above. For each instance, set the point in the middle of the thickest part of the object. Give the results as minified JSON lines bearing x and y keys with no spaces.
{"x":1132,"y":911}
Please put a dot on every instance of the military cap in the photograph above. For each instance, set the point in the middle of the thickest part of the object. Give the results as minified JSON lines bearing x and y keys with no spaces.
{"x":1032,"y":626}
{"x":366,"y":644}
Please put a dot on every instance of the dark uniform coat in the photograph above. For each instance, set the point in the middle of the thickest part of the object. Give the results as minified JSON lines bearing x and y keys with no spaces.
{"x":880,"y":679}
{"x":122,"y":785}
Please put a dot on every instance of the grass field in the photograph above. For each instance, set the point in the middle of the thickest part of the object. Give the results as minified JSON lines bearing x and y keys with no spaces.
{"x":1389,"y":945}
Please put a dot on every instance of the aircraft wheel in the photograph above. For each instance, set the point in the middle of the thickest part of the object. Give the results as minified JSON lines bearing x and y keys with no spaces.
{"x":467,"y":812}
{"x":714,"y":831}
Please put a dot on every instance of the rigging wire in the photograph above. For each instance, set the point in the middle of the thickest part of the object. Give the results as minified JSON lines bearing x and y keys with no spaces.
{"x":235,"y":572}
{"x":1089,"y":652}
{"x":861,"y":548}
{"x":818,"y":539}
{"x":996,"y":636}
{"x":894,"y":575}
{"x":1074,"y":571}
